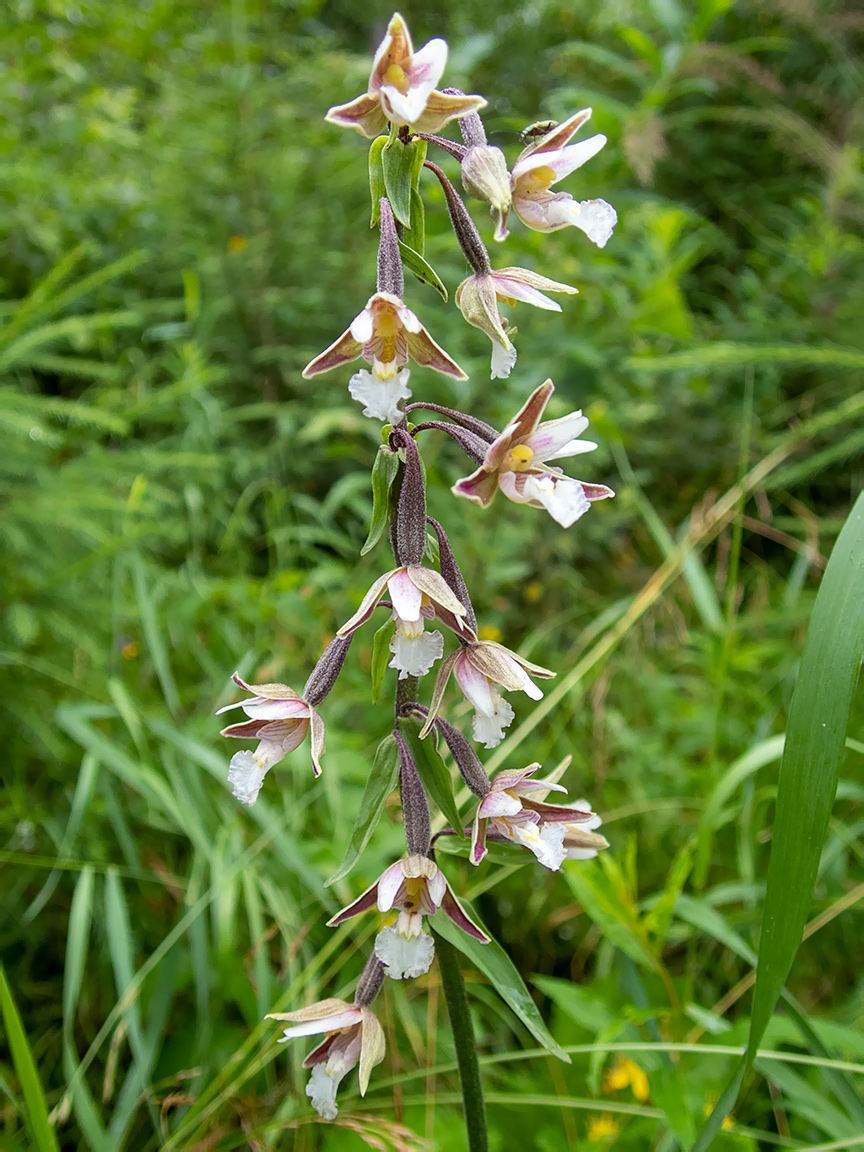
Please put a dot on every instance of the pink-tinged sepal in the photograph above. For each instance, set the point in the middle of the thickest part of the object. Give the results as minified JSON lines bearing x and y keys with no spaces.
{"x":361,"y":904}
{"x":341,"y":351}
{"x":478,"y":840}
{"x":461,"y":918}
{"x":363,"y":114}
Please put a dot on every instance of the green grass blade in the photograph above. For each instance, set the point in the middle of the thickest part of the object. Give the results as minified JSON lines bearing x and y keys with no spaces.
{"x":815,"y":743}
{"x":728,"y":355}
{"x":44,"y":1137}
{"x":153,"y":635}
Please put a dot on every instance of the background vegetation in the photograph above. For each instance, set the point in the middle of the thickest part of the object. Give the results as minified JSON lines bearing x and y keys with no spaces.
{"x":182,"y":233}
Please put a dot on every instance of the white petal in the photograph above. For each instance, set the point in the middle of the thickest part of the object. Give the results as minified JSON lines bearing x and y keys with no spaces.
{"x":503,"y":360}
{"x":246,"y":773}
{"x":380,"y":398}
{"x":404,"y":957}
{"x":414,"y":656}
{"x":596,"y":219}
{"x":362,"y":326}
{"x":489,"y":730}
{"x":580,"y":853}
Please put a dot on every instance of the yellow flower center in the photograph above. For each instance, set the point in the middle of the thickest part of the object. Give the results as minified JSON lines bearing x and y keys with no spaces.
{"x":387,"y":328}
{"x":413,"y":891}
{"x":519,"y":459}
{"x":396,"y":76}
{"x":539,"y":179}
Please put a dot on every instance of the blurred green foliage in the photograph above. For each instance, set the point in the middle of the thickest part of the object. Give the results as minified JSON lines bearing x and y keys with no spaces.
{"x":183,"y":232}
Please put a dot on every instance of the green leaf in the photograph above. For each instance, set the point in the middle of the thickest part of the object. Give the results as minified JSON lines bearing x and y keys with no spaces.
{"x":383,"y":474}
{"x":381,"y":782}
{"x":415,"y":237}
{"x":815,"y":743}
{"x":36,"y":1116}
{"x":415,"y":263}
{"x":401,"y":164}
{"x":380,"y":652}
{"x":497,"y":966}
{"x":376,"y":177}
{"x":433,"y":772}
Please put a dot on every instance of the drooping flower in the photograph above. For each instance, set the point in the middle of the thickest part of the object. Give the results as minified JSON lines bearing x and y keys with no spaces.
{"x":485,"y":175}
{"x":385,"y":334}
{"x":478,"y":298}
{"x":402,"y":88}
{"x":546,"y":161}
{"x":482,"y":668}
{"x":418,"y":888}
{"x":516,"y":462}
{"x":279,"y":719}
{"x":353,"y":1035}
{"x":416,"y":593}
{"x":509,"y":812}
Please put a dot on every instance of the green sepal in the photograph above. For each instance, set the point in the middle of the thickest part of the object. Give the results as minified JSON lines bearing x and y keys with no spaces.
{"x":382,"y":780}
{"x":496,"y":965}
{"x":383,"y":474}
{"x":433,"y":772}
{"x":415,"y":263}
{"x":401,"y":165}
{"x":376,"y":177}
{"x":380,"y":652}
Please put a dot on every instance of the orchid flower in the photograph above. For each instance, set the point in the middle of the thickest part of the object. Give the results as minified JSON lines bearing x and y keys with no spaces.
{"x":508,"y":812}
{"x":415,"y":593}
{"x":546,"y":161}
{"x":385,"y":333}
{"x":402,"y":88}
{"x":279,"y":719}
{"x":482,"y":668}
{"x":478,"y":299}
{"x":418,"y":888}
{"x":353,"y":1035}
{"x":516,"y":462}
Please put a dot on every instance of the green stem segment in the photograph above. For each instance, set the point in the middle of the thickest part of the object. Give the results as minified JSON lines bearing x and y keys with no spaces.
{"x":463,"y":1037}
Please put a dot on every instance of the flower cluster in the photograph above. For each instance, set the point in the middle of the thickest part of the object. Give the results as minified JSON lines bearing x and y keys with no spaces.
{"x":424,"y":590}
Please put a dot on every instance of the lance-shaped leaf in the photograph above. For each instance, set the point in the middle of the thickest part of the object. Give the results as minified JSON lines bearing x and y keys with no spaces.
{"x":380,"y":654}
{"x":433,"y":772}
{"x":401,"y":164}
{"x":377,"y":188}
{"x":815,"y":744}
{"x":421,"y":268}
{"x":381,"y":782}
{"x":496,"y":965}
{"x":383,"y":474}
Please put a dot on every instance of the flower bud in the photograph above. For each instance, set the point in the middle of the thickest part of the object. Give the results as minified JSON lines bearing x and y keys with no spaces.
{"x":485,"y":176}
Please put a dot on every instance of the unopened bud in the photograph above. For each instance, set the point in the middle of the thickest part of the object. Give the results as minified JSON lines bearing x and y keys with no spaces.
{"x":415,"y":806}
{"x":467,"y":761}
{"x":369,"y":984}
{"x":485,"y":176}
{"x":326,"y":670}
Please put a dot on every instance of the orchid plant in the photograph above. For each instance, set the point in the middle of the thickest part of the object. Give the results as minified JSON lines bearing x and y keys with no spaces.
{"x":400,"y":112}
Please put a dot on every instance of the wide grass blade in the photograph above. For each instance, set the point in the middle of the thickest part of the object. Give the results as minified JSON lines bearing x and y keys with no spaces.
{"x":44,"y":1138}
{"x":815,"y":743}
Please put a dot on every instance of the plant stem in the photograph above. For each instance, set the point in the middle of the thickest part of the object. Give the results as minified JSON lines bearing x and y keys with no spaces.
{"x":463,"y":1037}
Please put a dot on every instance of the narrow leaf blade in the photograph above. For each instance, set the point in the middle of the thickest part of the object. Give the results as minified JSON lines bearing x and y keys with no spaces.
{"x":424,"y":271}
{"x":500,"y":970}
{"x":383,"y":474}
{"x":25,"y":1067}
{"x":381,"y":782}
